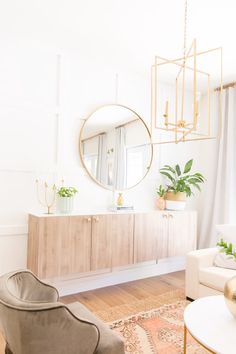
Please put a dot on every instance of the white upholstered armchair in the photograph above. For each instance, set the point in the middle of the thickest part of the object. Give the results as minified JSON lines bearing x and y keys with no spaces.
{"x":203,"y":277}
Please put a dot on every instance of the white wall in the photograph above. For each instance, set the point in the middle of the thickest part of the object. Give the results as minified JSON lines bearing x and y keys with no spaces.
{"x":35,"y":144}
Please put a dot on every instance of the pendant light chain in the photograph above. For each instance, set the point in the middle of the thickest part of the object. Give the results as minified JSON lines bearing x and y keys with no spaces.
{"x":185,"y":27}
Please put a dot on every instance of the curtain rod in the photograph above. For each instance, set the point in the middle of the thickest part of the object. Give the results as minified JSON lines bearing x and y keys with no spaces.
{"x":93,"y":136}
{"x":224,"y":87}
{"x":123,"y":125}
{"x":119,"y":126}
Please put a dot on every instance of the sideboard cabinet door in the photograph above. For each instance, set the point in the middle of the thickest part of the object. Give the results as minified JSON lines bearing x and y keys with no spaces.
{"x":182,"y":233}
{"x":59,"y":245}
{"x":122,"y":236}
{"x":79,"y":248}
{"x":101,"y":243}
{"x":150,"y":236}
{"x":112,"y":241}
{"x":52,"y":256}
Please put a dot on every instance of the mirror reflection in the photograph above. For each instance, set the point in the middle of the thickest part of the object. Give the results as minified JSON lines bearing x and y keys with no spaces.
{"x":115,"y":147}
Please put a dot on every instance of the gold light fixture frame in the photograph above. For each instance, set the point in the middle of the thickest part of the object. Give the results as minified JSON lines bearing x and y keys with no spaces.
{"x":180,"y":127}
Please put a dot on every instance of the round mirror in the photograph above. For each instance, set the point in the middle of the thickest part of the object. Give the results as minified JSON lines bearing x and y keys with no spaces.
{"x":115,"y":147}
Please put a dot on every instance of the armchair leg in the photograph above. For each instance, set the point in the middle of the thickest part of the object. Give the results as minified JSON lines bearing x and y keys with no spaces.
{"x":7,"y":350}
{"x":189,"y":299}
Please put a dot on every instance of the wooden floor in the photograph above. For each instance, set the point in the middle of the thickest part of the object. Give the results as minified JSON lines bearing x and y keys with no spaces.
{"x":126,"y":293}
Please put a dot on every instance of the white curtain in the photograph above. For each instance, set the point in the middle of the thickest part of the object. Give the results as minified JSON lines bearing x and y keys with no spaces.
{"x":120,"y":159}
{"x":223,"y":208}
{"x":101,"y":174}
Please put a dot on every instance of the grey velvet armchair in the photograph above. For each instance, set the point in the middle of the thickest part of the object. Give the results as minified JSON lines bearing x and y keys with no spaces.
{"x":32,"y":321}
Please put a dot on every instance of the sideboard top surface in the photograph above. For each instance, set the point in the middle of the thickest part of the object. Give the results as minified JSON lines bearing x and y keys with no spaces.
{"x":107,"y":212}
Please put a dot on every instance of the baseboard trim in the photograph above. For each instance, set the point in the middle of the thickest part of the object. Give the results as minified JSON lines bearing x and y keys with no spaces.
{"x":77,"y":285}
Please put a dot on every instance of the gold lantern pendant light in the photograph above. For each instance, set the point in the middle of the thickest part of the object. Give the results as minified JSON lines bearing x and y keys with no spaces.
{"x":179,"y":87}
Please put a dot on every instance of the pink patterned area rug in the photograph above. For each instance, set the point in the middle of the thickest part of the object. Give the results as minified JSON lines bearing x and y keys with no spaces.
{"x":158,"y":331}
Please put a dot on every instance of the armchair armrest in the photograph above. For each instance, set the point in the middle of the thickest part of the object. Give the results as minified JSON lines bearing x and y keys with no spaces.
{"x":195,"y":260}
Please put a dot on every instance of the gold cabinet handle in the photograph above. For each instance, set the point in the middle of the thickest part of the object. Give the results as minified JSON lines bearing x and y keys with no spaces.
{"x":88,"y":219}
{"x":170,"y":216}
{"x":96,"y":219}
{"x":164,"y":215}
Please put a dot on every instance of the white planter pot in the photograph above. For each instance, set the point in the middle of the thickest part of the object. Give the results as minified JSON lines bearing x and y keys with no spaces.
{"x":175,"y":205}
{"x":65,"y":205}
{"x":175,"y":201}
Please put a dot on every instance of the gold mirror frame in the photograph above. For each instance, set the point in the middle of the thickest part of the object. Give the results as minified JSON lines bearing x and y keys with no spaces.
{"x":80,"y":144}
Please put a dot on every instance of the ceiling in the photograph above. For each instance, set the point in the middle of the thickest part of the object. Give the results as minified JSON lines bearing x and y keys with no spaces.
{"x":122,"y":32}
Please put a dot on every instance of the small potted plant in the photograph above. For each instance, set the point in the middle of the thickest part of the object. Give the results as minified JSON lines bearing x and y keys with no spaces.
{"x":161,"y":203}
{"x":65,"y":199}
{"x":180,"y":184}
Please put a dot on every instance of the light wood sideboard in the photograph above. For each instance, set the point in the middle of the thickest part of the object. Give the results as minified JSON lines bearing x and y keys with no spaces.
{"x":64,"y":245}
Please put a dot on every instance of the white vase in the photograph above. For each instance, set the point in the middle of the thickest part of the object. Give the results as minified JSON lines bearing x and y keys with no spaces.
{"x":65,"y":205}
{"x":175,"y":201}
{"x":175,"y":205}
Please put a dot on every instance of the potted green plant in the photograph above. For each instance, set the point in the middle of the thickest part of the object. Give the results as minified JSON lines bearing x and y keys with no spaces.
{"x":65,"y":199}
{"x":180,"y":184}
{"x":161,"y":203}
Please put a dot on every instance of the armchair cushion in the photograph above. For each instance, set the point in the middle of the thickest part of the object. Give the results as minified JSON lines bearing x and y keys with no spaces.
{"x":215,"y":277}
{"x":224,"y":261}
{"x":228,"y":233}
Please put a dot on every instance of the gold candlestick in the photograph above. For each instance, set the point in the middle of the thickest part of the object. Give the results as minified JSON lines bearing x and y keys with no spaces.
{"x":46,"y":200}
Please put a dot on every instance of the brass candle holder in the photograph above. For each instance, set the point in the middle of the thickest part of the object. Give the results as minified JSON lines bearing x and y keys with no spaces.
{"x":48,"y":197}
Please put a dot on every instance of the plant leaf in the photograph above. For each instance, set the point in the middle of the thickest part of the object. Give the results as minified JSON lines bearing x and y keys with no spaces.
{"x":178,"y":170}
{"x":188,"y":166}
{"x":168,"y":176}
{"x":188,"y":191}
{"x":168,"y":168}
{"x":200,"y":176}
{"x":196,"y":186}
{"x":193,"y":180}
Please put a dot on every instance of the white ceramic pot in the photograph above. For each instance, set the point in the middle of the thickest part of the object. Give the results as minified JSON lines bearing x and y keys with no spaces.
{"x":175,"y":201}
{"x":65,"y":205}
{"x":175,"y":205}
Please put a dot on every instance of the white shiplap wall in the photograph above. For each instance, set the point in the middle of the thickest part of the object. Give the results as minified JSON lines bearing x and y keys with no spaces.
{"x":34,"y":143}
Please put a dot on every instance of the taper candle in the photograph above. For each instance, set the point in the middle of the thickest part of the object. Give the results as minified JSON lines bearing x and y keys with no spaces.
{"x":166,"y":113}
